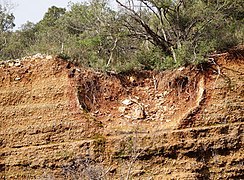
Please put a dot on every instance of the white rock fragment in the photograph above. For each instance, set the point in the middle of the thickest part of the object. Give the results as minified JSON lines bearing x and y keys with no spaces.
{"x":165,"y":93}
{"x":96,"y":112}
{"x":11,"y":63}
{"x":38,"y":55}
{"x":17,"y":64}
{"x":139,"y":113}
{"x":181,"y":68}
{"x":165,"y":108}
{"x":2,"y":64}
{"x":127,"y":116}
{"x":127,"y":102}
{"x":136,"y":97}
{"x":49,"y":57}
{"x":122,"y":109}
{"x":132,"y":79}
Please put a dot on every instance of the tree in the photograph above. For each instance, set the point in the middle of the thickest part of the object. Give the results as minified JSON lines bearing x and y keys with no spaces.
{"x":6,"y":18}
{"x":51,"y":16}
{"x":99,"y":35}
{"x":91,"y":23}
{"x":49,"y":32}
{"x":6,"y":24}
{"x":182,"y":29}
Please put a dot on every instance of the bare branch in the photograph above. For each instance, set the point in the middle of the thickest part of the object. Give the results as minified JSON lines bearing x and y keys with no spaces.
{"x":112,"y":50}
{"x":157,"y":39}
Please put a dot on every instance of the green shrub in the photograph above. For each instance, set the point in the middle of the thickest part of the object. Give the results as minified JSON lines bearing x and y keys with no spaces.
{"x":63,"y":56}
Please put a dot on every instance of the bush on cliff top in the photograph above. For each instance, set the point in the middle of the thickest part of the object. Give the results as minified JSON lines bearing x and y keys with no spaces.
{"x":141,"y":35}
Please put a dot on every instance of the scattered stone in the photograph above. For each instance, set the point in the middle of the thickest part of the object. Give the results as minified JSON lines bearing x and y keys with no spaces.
{"x":49,"y":57}
{"x":122,"y":109}
{"x":165,"y":93}
{"x":165,"y":108}
{"x":2,"y":64}
{"x":38,"y":55}
{"x":139,"y":113}
{"x":96,"y":112}
{"x":136,"y":97}
{"x":132,"y":79}
{"x":181,"y":68}
{"x":127,"y":116}
{"x":127,"y":102}
{"x":159,"y":95}
{"x":17,"y":64}
{"x":11,"y":63}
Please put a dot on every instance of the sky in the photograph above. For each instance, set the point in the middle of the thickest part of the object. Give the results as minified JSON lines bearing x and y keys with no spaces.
{"x":33,"y":10}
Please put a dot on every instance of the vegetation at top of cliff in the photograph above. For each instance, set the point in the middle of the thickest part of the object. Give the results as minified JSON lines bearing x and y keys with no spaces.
{"x":141,"y":34}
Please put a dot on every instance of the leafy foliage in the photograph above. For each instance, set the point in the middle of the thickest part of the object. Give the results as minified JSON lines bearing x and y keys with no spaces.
{"x":185,"y":30}
{"x":6,"y":19}
{"x":143,"y":34}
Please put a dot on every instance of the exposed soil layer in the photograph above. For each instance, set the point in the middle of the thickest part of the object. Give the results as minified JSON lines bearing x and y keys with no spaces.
{"x":59,"y":121}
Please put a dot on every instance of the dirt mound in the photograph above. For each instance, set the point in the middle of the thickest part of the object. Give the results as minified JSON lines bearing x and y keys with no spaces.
{"x":62,"y":121}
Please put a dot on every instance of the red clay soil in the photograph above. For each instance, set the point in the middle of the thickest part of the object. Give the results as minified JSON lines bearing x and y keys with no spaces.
{"x":60,"y":121}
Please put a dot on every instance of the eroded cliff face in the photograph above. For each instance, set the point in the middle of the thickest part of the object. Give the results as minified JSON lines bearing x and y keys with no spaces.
{"x":59,"y":121}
